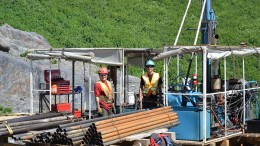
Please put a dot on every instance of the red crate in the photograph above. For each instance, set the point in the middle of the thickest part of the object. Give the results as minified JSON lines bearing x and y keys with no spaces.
{"x":77,"y":113}
{"x":61,"y":107}
{"x":55,"y":73}
{"x":63,"y":86}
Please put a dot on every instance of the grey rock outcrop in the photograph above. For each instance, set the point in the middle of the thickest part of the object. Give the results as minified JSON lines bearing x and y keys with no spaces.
{"x":17,"y":42}
{"x":15,"y":70}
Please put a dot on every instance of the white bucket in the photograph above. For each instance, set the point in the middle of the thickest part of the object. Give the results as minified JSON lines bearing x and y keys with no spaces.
{"x":131,"y":98}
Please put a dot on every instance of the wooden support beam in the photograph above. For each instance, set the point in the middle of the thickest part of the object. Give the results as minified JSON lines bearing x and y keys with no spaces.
{"x":223,"y":143}
{"x":3,"y":139}
{"x":213,"y":144}
{"x":171,"y":135}
{"x":142,"y":142}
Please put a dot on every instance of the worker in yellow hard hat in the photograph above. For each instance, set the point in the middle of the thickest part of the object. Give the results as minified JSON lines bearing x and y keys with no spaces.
{"x":150,"y":92}
{"x":103,"y":93}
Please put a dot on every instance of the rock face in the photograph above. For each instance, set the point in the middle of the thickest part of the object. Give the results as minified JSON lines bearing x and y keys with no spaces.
{"x":15,"y":71}
{"x":17,"y":42}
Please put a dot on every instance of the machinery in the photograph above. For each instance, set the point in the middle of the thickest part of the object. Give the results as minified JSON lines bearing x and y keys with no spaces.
{"x":186,"y":100}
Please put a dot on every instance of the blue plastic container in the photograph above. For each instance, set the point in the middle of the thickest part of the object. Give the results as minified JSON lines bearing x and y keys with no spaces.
{"x":191,"y":124}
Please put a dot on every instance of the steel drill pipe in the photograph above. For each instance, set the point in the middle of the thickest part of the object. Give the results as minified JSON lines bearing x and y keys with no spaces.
{"x":17,"y":136}
{"x":39,"y":126}
{"x":139,"y":130}
{"x":76,"y":131}
{"x":122,"y":131}
{"x":65,"y":132}
{"x":78,"y":142}
{"x":127,"y":116}
{"x":168,"y":113}
{"x":64,"y":138}
{"x":87,"y":123}
{"x":119,"y":140}
{"x":45,"y":120}
{"x":98,"y":119}
{"x":134,"y":122}
{"x":34,"y":117}
{"x":76,"y":138}
{"x":134,"y":118}
{"x":32,"y":124}
{"x":133,"y":115}
{"x":75,"y":135}
{"x":142,"y":123}
{"x":75,"y":125}
{"x":67,"y":129}
{"x":32,"y":134}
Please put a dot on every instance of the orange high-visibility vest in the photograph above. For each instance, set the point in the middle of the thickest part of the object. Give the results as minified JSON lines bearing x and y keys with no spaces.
{"x":107,"y":89}
{"x":151,"y":87}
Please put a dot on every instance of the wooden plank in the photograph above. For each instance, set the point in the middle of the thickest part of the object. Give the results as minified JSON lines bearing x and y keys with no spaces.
{"x":144,"y":134}
{"x":171,"y":135}
{"x":224,"y":143}
{"x":141,"y":142}
{"x":4,"y":139}
{"x":212,"y":144}
{"x":8,"y":144}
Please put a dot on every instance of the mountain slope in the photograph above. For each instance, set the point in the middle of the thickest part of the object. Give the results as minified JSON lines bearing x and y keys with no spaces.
{"x":135,"y":23}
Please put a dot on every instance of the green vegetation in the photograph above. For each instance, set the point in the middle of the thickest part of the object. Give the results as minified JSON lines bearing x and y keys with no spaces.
{"x":24,"y":54}
{"x":5,"y":110}
{"x":135,"y":24}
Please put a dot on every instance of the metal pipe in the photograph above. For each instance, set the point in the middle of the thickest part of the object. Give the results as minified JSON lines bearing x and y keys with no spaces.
{"x":45,"y":120}
{"x":34,"y":117}
{"x":73,"y":83}
{"x":126,"y":128}
{"x":98,"y":119}
{"x":139,"y":130}
{"x":124,"y":120}
{"x":134,"y":115}
{"x":37,"y":126}
{"x":118,"y":140}
{"x":136,"y":121}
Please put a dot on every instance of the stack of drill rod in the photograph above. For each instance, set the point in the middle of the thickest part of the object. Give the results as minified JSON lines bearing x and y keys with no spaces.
{"x":73,"y":133}
{"x":108,"y":130}
{"x":34,"y":135}
{"x":113,"y":130}
{"x":35,"y":122}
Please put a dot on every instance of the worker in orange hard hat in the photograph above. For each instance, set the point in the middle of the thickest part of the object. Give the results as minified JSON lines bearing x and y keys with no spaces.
{"x":103,"y":93}
{"x":150,"y":92}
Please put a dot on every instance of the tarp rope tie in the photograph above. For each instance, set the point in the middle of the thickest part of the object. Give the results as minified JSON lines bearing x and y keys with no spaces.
{"x":8,"y":128}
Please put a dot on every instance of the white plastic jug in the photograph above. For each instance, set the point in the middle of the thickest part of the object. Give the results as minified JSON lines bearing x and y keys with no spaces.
{"x":131,"y":98}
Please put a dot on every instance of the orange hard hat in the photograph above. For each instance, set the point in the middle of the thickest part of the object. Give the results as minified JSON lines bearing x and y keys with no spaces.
{"x":103,"y":70}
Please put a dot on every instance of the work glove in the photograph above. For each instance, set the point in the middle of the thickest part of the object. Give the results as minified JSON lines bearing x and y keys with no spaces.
{"x":99,"y":110}
{"x":141,"y":105}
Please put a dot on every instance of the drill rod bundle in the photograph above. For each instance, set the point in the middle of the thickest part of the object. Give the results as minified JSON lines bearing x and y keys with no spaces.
{"x":109,"y":130}
{"x":99,"y":131}
{"x":114,"y":130}
{"x":35,"y":122}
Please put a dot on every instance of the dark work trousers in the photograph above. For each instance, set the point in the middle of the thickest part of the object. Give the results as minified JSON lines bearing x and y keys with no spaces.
{"x":151,"y":102}
{"x":106,"y":113}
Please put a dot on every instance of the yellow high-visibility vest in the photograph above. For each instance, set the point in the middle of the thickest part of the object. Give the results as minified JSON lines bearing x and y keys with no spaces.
{"x":151,"y":87}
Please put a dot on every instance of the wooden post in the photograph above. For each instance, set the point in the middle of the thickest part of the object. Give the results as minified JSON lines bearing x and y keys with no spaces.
{"x":224,"y":143}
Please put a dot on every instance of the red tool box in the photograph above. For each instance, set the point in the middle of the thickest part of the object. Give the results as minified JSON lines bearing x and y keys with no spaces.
{"x":77,"y":113}
{"x":59,"y":107}
{"x":63,"y":86}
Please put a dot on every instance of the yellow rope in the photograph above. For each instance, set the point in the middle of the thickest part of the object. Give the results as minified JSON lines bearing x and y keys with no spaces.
{"x":113,"y":124}
{"x":8,"y":128}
